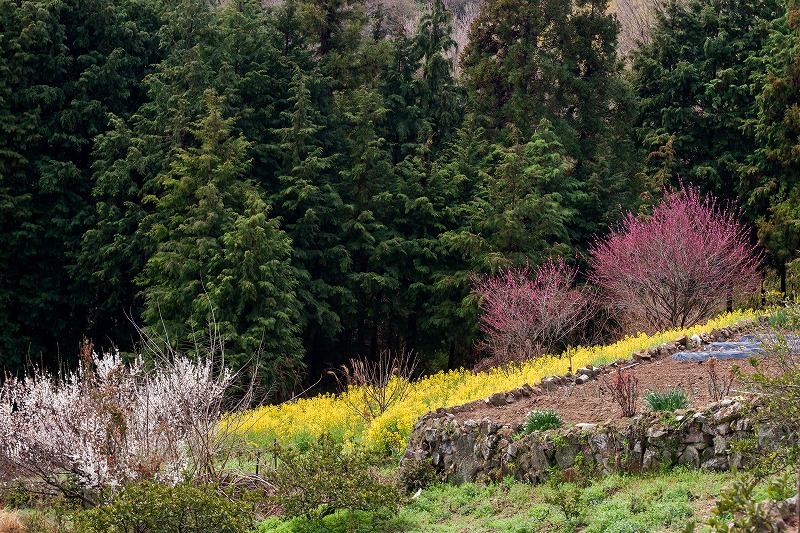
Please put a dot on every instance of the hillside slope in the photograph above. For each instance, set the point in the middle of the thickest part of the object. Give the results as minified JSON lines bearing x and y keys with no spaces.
{"x":635,"y":16}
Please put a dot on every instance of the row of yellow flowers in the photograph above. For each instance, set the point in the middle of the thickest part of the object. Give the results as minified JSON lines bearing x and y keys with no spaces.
{"x":307,"y":418}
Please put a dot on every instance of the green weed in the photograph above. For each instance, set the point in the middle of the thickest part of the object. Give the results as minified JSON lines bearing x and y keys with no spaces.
{"x":669,"y":400}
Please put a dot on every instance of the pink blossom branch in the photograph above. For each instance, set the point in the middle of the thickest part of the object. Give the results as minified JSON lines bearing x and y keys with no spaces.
{"x":679,"y":266}
{"x":526,"y":314}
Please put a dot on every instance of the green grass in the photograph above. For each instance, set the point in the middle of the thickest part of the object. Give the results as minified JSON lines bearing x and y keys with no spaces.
{"x":668,"y":400}
{"x":541,"y":419}
{"x":618,"y":503}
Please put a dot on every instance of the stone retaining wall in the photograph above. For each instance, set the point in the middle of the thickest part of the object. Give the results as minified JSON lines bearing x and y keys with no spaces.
{"x":462,"y":449}
{"x":481,"y":450}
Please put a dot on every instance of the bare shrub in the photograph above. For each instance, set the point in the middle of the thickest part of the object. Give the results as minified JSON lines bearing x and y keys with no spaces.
{"x":369,"y":388}
{"x":777,"y":379}
{"x":10,"y":522}
{"x":110,"y":422}
{"x":719,"y":384}
{"x":624,"y":389}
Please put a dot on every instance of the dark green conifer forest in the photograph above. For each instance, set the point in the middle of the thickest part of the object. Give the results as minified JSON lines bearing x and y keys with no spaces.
{"x":319,"y":184}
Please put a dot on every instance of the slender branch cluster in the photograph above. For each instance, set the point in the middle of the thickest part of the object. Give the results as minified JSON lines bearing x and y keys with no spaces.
{"x":371,"y":387}
{"x":624,"y":389}
{"x":108,"y":423}
{"x":527,"y":315}
{"x":719,"y":384}
{"x":678,"y":267}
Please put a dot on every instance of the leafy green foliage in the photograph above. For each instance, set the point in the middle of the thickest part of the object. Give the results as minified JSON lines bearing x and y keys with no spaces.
{"x":153,"y":506}
{"x":325,"y":478}
{"x":777,"y":378}
{"x":738,"y":509}
{"x":668,"y":400}
{"x":776,"y":162}
{"x":541,"y":419}
{"x":219,"y":259}
{"x":693,"y":83}
{"x":65,"y":65}
{"x":417,"y":473}
{"x":556,"y":60}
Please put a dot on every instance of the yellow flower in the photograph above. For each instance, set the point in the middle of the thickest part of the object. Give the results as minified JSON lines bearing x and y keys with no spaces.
{"x":389,"y":431}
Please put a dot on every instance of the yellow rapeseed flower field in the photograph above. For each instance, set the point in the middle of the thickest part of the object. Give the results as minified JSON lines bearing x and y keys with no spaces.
{"x":307,"y":418}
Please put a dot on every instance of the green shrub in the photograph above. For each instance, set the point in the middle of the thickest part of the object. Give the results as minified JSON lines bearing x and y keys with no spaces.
{"x":567,"y":497}
{"x":738,"y":510}
{"x":149,"y":506}
{"x":327,"y":478}
{"x":541,"y":419}
{"x":666,"y":401}
{"x":786,"y":317}
{"x":417,"y":474}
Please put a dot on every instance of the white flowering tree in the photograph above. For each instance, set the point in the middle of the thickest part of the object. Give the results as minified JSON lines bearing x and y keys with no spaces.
{"x":111,"y":422}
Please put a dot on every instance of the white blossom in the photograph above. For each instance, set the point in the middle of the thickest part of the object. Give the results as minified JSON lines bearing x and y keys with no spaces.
{"x":110,"y":423}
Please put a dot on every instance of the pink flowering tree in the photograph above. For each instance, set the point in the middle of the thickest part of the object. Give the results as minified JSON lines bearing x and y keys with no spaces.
{"x":528,"y":313}
{"x":678,"y":267}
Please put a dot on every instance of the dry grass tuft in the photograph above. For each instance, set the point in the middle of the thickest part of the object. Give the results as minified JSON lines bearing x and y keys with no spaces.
{"x":10,"y":522}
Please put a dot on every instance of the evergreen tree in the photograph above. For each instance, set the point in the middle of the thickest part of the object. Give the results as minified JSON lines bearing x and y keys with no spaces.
{"x":65,"y":66}
{"x":219,"y":259}
{"x":776,"y":161}
{"x":232,"y":50}
{"x":556,"y":60}
{"x":313,"y":214}
{"x":693,"y":83}
{"x":525,"y":203}
{"x":424,"y":101}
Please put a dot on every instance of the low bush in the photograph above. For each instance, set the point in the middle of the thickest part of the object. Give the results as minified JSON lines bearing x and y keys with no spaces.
{"x":417,"y":474}
{"x":624,"y":389}
{"x":567,"y":496}
{"x":669,"y":400}
{"x":542,"y":419}
{"x":111,"y":422}
{"x":720,"y":383}
{"x":739,"y":511}
{"x":327,"y":478}
{"x":150,"y":506}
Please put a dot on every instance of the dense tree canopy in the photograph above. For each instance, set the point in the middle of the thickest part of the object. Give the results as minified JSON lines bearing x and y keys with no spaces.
{"x":320,"y":185}
{"x":693,"y":80}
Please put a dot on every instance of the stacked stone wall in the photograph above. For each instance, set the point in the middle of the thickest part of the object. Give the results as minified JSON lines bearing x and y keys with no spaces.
{"x":481,"y":450}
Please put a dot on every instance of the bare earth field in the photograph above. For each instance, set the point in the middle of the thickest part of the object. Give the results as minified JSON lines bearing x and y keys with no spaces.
{"x":591,"y":402}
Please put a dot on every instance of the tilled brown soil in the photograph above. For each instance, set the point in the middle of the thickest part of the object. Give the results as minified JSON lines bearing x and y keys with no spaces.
{"x":592,"y":402}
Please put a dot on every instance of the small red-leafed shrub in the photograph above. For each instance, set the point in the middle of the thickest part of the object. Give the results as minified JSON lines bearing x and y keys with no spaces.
{"x":527,"y":313}
{"x":624,"y":389}
{"x":678,"y":267}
